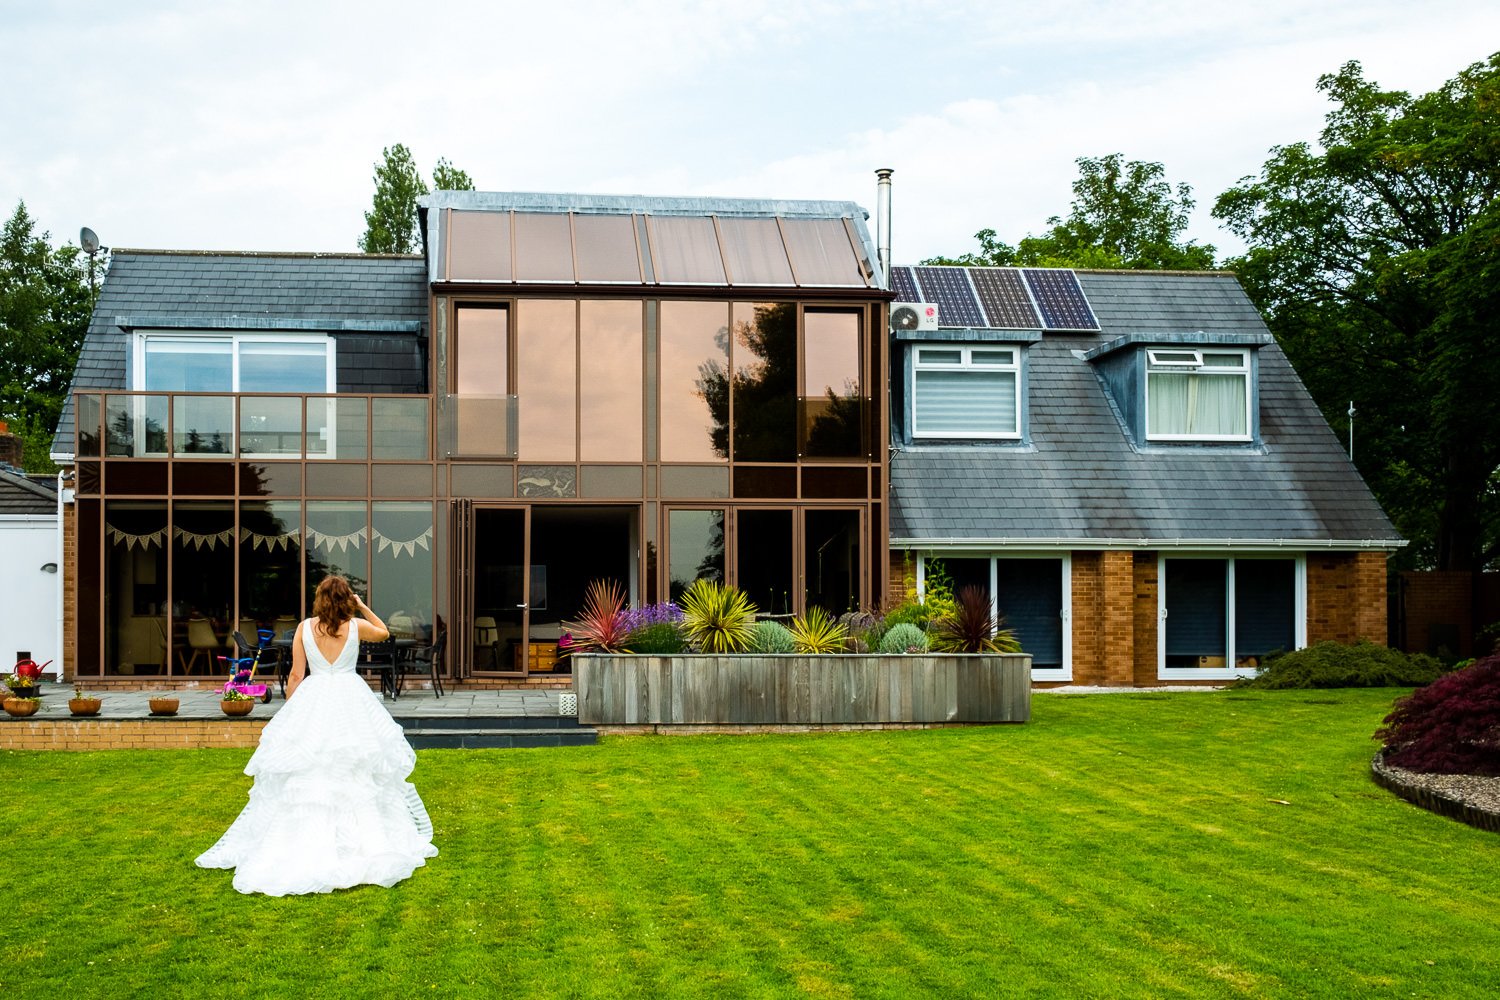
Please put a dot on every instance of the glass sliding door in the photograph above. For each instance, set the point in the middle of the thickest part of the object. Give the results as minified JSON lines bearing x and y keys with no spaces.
{"x":503,"y":590}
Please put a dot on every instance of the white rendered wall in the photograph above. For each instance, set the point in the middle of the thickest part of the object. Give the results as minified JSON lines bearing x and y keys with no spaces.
{"x":28,"y":594}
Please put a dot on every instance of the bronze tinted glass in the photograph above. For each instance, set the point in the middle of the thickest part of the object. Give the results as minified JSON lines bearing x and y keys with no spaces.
{"x":337,"y":539}
{"x":695,"y":541}
{"x":135,"y":478}
{"x":765,"y":481}
{"x":479,"y":246}
{"x":605,"y":245}
{"x":401,"y":560}
{"x":89,"y":568}
{"x":271,"y":425}
{"x":546,"y":377}
{"x":686,"y":250}
{"x":270,"y":566}
{"x":833,"y":411}
{"x":203,"y":568}
{"x":399,"y":427}
{"x":87,"y":409}
{"x":611,"y":387}
{"x":840,"y":483}
{"x":822,"y":253}
{"x":831,"y":560}
{"x":694,"y":481}
{"x":694,"y":381}
{"x":137,"y":540}
{"x":401,"y":480}
{"x":213,"y":479}
{"x":763,"y":559}
{"x":765,"y":382}
{"x":607,"y":481}
{"x":483,"y":348}
{"x":336,"y":480}
{"x":544,"y":248}
{"x":270,"y":479}
{"x":203,"y":425}
{"x":754,"y":253}
{"x":89,"y":477}
{"x":484,"y":481}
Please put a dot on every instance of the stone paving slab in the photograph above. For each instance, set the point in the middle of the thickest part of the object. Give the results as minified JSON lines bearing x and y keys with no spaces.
{"x":203,"y":703}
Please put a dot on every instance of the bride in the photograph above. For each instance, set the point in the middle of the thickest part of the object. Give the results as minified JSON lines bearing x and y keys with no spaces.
{"x":330,"y":807}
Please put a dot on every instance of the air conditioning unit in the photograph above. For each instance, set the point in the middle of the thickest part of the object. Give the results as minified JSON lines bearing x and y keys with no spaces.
{"x":914,"y":316}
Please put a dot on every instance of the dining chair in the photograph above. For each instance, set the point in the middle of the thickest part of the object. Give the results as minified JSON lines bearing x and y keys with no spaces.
{"x":487,"y":636}
{"x":430,"y":659}
{"x":380,"y":657}
{"x":202,"y":642}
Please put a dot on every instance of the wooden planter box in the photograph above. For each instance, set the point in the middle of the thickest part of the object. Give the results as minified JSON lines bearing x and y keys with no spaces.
{"x":795,"y":690}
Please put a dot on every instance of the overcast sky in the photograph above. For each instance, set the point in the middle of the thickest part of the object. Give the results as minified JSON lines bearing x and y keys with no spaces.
{"x":194,"y":125}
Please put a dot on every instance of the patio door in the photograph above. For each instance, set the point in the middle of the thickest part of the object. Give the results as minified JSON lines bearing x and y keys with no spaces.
{"x":495,"y":590}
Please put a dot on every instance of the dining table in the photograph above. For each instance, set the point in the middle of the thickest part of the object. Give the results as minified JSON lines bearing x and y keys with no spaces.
{"x":372,"y":657}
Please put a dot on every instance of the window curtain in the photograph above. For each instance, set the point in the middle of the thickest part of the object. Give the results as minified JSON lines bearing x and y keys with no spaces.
{"x":1197,"y":404}
{"x":963,"y":403}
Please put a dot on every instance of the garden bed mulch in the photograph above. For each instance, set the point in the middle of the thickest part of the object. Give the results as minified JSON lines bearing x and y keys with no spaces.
{"x":1469,"y":798}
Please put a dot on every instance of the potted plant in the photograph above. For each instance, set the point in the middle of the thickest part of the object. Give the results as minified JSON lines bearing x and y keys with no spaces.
{"x":235,"y":702}
{"x":20,"y":708}
{"x":25,"y":682}
{"x":163,"y":706}
{"x":83,"y":705}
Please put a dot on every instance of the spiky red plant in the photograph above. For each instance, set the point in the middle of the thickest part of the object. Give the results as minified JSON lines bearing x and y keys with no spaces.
{"x":602,"y":626}
{"x":1451,"y":726}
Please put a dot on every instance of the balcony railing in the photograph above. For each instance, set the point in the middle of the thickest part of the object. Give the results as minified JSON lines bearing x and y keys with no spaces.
{"x":207,"y":425}
{"x":478,"y":426}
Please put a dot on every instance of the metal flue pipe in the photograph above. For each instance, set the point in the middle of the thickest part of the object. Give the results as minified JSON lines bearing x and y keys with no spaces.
{"x":883,"y":223}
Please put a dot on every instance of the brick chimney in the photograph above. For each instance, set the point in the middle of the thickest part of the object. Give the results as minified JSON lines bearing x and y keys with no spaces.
{"x":10,"y":446}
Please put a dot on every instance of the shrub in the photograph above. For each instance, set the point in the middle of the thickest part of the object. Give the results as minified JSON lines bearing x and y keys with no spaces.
{"x":660,"y":639}
{"x":1336,"y":665}
{"x":971,"y":627}
{"x":1452,"y":726}
{"x":772,"y":637}
{"x":937,"y":590}
{"x":817,"y":632}
{"x":907,"y":613}
{"x":717,"y":618}
{"x":653,"y":614}
{"x":903,"y":637}
{"x":601,"y":627}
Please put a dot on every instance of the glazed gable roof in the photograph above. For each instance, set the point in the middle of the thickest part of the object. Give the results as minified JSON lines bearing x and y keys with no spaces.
{"x":198,"y":290}
{"x":1080,"y":481}
{"x":588,"y":239}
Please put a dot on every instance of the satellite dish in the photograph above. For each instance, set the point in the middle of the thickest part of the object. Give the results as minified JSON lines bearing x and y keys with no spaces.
{"x":88,"y":239}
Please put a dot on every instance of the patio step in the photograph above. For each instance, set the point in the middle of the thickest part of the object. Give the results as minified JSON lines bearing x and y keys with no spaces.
{"x":488,"y":722}
{"x":497,"y":738}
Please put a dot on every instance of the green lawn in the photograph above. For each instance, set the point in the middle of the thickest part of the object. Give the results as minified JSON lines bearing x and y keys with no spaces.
{"x":1118,"y":845}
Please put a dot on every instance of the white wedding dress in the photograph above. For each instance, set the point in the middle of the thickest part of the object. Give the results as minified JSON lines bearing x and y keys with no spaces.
{"x":330,"y":807}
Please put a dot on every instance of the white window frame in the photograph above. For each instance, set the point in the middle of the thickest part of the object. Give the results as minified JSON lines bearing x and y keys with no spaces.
{"x":1229,"y":671}
{"x":965,"y":364}
{"x":1180,"y":361}
{"x":234,"y":339}
{"x":1048,"y":674}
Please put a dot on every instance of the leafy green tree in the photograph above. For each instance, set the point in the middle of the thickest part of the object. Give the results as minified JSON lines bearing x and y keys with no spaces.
{"x":45,"y":303}
{"x":1125,"y":214}
{"x":1376,"y":261}
{"x":391,"y":224}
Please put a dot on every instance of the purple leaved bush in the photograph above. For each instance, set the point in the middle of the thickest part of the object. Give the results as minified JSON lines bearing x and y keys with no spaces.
{"x":1451,"y":726}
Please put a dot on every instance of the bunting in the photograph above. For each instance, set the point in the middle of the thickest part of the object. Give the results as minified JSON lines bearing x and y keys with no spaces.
{"x":343,"y":543}
{"x":271,"y":542}
{"x":198,"y":541}
{"x":409,"y":547}
{"x":145,"y":541}
{"x":317,"y":539}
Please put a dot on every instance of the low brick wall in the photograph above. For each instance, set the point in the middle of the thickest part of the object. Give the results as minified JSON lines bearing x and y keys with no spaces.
{"x":129,"y":734}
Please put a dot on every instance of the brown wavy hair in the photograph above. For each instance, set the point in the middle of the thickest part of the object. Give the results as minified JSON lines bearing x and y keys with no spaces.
{"x":333,"y":604}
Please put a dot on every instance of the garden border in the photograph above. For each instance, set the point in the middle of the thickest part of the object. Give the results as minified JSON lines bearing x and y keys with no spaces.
{"x":1407,"y":785}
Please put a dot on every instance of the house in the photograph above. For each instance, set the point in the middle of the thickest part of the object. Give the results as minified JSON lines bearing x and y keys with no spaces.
{"x":30,"y":602}
{"x":561,"y":388}
{"x":570,"y":387}
{"x":1129,"y":466}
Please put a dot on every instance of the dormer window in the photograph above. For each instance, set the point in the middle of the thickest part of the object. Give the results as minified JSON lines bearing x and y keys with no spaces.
{"x":1195,"y":394}
{"x":964,"y":391}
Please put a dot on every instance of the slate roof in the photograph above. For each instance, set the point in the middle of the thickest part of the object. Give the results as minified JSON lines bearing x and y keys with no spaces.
{"x":1082,"y":481}
{"x":241,"y":291}
{"x":19,"y":494}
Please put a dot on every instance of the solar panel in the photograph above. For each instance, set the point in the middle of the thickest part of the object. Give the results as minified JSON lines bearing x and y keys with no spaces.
{"x":949,"y":287}
{"x":904,"y":285}
{"x":1004,"y":297}
{"x":1060,"y":299}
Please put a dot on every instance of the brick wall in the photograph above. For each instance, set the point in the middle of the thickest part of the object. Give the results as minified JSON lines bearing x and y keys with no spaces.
{"x":1104,"y":628}
{"x":1147,"y":614}
{"x":1346,"y":596}
{"x":1437,"y":603}
{"x":129,"y":734}
{"x":70,"y":590}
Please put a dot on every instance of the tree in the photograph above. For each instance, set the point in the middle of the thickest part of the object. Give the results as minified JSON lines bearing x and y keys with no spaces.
{"x":391,"y":223}
{"x":45,"y":304}
{"x":1124,"y":215}
{"x":1376,"y":262}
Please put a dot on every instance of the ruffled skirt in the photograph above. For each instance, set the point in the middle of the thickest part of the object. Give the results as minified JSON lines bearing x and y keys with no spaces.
{"x":331,"y":807}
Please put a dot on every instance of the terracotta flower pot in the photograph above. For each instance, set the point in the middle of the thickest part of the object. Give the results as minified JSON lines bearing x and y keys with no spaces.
{"x":20,"y":707}
{"x":85,"y":706}
{"x":237,"y":708}
{"x":163,"y":706}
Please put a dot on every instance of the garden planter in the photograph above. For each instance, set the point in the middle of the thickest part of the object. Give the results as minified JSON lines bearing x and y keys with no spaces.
{"x":20,"y":708}
{"x":798,"y":690}
{"x":25,"y":692}
{"x":85,"y":707}
{"x":237,"y":708}
{"x":163,"y":706}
